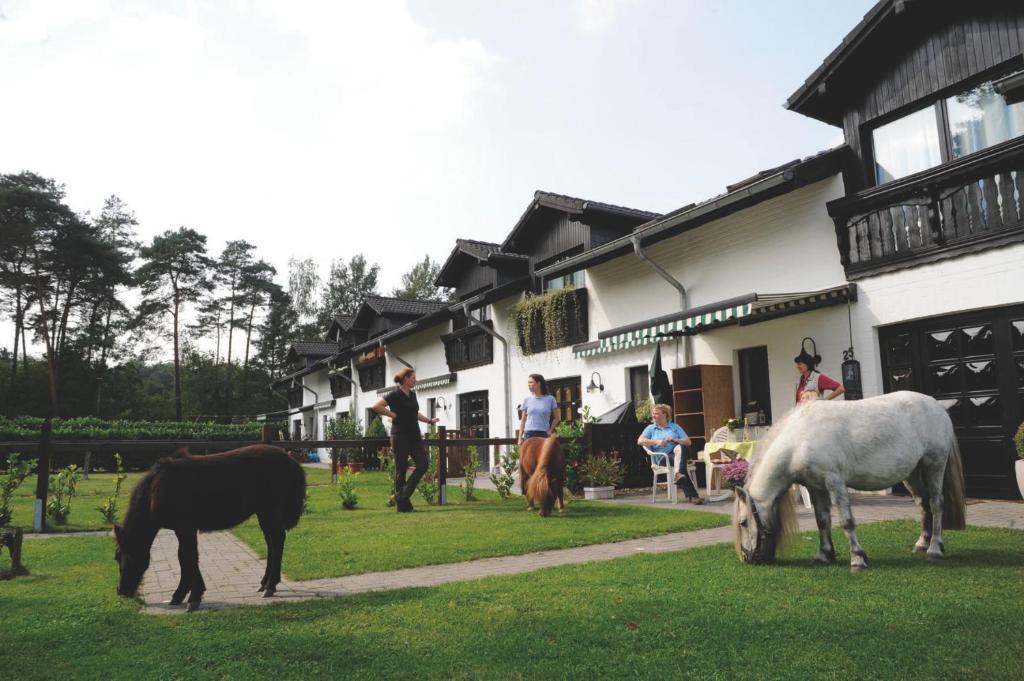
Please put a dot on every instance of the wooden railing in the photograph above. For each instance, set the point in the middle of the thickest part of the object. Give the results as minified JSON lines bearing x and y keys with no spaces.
{"x":965,"y":206}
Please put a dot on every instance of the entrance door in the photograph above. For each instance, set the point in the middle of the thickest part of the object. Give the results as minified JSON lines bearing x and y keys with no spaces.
{"x":566,"y":392}
{"x":473,"y":414}
{"x":973,"y":363}
{"x":754,"y":385}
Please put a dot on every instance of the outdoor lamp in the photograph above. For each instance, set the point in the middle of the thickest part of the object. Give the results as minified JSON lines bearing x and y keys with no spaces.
{"x":595,"y":387}
{"x":441,"y":402}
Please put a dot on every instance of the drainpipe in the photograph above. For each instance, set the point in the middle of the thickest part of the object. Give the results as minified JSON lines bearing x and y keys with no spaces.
{"x":508,"y":380}
{"x":316,"y":399}
{"x":675,"y":283}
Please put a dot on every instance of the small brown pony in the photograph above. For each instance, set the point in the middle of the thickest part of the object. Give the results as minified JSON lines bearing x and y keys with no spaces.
{"x":542,"y":473}
{"x":191,"y":494}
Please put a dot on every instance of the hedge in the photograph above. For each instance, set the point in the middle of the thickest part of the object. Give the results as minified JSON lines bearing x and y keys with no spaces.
{"x":27,"y":428}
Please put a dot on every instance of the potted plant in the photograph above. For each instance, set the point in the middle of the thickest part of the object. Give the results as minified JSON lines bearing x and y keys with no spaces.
{"x":1018,"y":441}
{"x":600,"y":476}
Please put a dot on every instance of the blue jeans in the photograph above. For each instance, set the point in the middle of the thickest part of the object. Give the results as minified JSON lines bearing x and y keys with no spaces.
{"x":534,"y":433}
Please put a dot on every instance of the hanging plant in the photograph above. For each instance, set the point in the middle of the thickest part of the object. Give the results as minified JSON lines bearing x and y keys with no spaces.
{"x":547,"y":321}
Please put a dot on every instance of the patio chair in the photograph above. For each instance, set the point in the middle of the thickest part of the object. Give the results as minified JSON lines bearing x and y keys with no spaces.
{"x":661,"y":466}
{"x":713,"y":473}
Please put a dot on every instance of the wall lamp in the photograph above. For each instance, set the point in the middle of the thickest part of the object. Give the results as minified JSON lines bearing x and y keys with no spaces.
{"x":442,"y":403}
{"x":595,"y":387}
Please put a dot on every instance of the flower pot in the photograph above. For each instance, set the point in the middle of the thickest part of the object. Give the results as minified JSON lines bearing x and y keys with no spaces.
{"x":354,"y":467}
{"x":598,"y":492}
{"x":1019,"y":466}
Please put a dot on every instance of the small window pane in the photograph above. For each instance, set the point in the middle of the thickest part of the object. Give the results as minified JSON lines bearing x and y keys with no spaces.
{"x":899,"y":350}
{"x":980,"y":118}
{"x":945,"y":378}
{"x":901,"y":379}
{"x":942,"y":345}
{"x":906,"y":146}
{"x":1017,"y":332}
{"x":980,"y":375}
{"x":984,"y":411}
{"x":978,"y":340}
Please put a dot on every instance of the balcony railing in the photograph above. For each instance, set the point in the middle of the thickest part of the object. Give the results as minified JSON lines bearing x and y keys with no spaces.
{"x":468,"y":347}
{"x":294,"y":398}
{"x":965,"y":206}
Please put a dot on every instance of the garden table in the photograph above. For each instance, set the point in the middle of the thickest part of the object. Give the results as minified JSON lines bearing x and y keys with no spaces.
{"x":742,"y":450}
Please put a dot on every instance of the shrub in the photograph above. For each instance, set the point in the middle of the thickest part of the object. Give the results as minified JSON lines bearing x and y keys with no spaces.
{"x":387,"y":464}
{"x":347,"y":488}
{"x":376,"y":430}
{"x":430,"y":487}
{"x":643,"y":411}
{"x":109,"y":508}
{"x":343,"y":428}
{"x":1018,"y":440}
{"x":91,"y":428}
{"x":508,"y":465}
{"x":602,"y":471}
{"x":469,"y":479}
{"x":17,"y":471}
{"x":574,"y":448}
{"x":62,"y":490}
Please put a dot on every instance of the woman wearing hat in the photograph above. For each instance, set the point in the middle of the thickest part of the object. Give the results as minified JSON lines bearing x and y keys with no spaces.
{"x":813,"y":384}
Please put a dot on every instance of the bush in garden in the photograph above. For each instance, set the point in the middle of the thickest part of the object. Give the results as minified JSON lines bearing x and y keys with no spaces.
{"x":343,"y":428}
{"x":63,"y":489}
{"x":387,"y":464}
{"x":602,"y":471}
{"x":469,"y":476}
{"x":506,"y":478}
{"x":16,"y":473}
{"x":109,"y":508}
{"x":430,"y":487}
{"x":376,"y":430}
{"x":347,"y":488}
{"x":574,"y":449}
{"x":91,"y":428}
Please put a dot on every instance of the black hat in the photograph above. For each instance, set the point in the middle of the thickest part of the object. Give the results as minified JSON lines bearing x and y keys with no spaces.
{"x":811,"y":360}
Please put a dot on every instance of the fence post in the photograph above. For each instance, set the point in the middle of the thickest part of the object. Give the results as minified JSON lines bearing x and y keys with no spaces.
{"x":267,"y":434}
{"x":85,"y":472}
{"x":442,"y":464}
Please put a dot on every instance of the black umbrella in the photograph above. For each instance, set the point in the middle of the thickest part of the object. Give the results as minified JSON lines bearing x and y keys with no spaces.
{"x":661,"y":389}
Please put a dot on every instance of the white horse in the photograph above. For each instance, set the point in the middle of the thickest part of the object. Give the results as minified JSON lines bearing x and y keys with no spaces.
{"x":871,"y":444}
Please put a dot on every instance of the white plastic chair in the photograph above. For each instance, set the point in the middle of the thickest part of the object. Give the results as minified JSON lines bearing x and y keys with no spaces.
{"x":661,"y":466}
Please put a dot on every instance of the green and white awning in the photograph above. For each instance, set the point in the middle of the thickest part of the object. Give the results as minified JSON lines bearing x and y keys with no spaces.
{"x":750,"y":309}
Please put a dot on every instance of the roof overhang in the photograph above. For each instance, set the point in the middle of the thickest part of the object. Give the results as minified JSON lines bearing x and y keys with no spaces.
{"x":422,"y":384}
{"x":743,"y":310}
{"x":788,"y":178}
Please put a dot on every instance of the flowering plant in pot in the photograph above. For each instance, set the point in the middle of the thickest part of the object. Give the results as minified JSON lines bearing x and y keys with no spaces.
{"x":1018,"y":441}
{"x":735,"y":473}
{"x":600,"y":475}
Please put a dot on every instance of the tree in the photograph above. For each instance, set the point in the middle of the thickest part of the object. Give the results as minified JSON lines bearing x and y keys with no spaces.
{"x":231,"y":267}
{"x":276,"y":333}
{"x":257,"y":286}
{"x":418,"y":283}
{"x":211,"y":320}
{"x":348,"y":285}
{"x":303,"y":284}
{"x":175,"y":271}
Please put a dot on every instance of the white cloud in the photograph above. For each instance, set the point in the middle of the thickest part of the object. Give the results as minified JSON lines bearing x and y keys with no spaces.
{"x":597,"y":16}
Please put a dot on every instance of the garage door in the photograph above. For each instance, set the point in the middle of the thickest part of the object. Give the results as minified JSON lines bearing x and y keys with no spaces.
{"x":972,"y":362}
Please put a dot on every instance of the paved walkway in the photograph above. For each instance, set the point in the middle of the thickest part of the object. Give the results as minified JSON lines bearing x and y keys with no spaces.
{"x":232,"y":571}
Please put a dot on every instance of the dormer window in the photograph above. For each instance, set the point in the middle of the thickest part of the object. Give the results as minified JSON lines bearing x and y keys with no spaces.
{"x":574,"y":280}
{"x":948,"y":129}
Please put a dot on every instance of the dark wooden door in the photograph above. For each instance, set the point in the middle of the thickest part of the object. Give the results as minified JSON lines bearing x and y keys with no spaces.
{"x":473,"y":414}
{"x":972,"y":363}
{"x":567,"y":394}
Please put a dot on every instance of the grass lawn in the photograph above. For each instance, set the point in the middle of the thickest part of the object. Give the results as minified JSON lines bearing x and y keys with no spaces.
{"x":332,"y":542}
{"x":84,"y":516}
{"x":697,"y":613}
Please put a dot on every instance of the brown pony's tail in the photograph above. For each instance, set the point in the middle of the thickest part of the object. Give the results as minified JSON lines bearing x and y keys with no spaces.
{"x":954,"y":510}
{"x":538,"y":489}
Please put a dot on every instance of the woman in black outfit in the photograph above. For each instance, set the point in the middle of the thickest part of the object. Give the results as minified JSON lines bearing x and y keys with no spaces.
{"x":402,"y":407}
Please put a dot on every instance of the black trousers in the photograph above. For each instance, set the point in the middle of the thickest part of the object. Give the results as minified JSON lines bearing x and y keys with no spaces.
{"x":404,"y":446}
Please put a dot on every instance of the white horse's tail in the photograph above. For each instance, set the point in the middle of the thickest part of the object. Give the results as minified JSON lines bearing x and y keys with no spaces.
{"x":954,"y":510}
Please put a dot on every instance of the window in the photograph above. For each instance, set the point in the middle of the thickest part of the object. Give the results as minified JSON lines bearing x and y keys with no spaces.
{"x":371,"y":377}
{"x":341,"y":385}
{"x":754,"y":387}
{"x":639,"y":384}
{"x":566,"y":392}
{"x":945,"y":130}
{"x":574,"y":280}
{"x":906,"y":145}
{"x":980,"y":118}
{"x":460,"y":321}
{"x":297,"y":429}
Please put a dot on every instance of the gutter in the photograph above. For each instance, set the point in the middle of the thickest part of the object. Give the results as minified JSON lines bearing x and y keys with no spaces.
{"x":508,"y":376}
{"x":676,"y":284}
{"x":380,"y":344}
{"x":316,"y":400}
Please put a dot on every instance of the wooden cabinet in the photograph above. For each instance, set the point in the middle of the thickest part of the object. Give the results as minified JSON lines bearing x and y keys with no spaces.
{"x":702,"y":400}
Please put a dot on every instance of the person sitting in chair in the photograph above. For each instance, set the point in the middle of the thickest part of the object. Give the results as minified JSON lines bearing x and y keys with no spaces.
{"x":663,"y":436}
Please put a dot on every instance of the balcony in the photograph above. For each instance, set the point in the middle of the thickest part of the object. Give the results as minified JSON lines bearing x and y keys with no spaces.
{"x":962,"y":207}
{"x":551,"y":320}
{"x":468,"y":347}
{"x":295,"y":397}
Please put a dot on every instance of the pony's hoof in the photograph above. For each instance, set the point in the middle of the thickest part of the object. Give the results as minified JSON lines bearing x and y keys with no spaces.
{"x":192,"y":606}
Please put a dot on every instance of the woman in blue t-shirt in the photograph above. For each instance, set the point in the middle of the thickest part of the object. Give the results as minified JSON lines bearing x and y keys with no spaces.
{"x":662,"y":437}
{"x":540,"y":414}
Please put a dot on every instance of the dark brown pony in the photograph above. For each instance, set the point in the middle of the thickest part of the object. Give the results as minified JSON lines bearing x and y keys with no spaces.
{"x":542,"y":473}
{"x":189,"y":494}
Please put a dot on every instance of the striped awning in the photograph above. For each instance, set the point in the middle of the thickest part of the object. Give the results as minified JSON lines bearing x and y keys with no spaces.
{"x":426,"y":383}
{"x":750,"y":309}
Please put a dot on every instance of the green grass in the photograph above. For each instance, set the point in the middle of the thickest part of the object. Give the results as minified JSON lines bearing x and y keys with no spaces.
{"x":697,"y":614}
{"x":332,"y":542}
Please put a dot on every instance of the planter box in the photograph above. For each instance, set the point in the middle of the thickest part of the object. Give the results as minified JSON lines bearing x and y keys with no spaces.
{"x":598,"y":492}
{"x":354,"y":467}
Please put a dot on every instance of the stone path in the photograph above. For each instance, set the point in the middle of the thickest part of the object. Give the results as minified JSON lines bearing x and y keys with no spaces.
{"x":232,"y":571}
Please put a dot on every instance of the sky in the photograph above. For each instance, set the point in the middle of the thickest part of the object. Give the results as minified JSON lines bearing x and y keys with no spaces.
{"x":391,"y":128}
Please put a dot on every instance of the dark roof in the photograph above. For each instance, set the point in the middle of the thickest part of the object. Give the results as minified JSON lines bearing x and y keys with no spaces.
{"x":483,"y":252}
{"x":573,"y":206}
{"x":760,"y":187}
{"x":383,"y":305}
{"x":315,"y":348}
{"x":813,"y":97}
{"x":345,"y":321}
